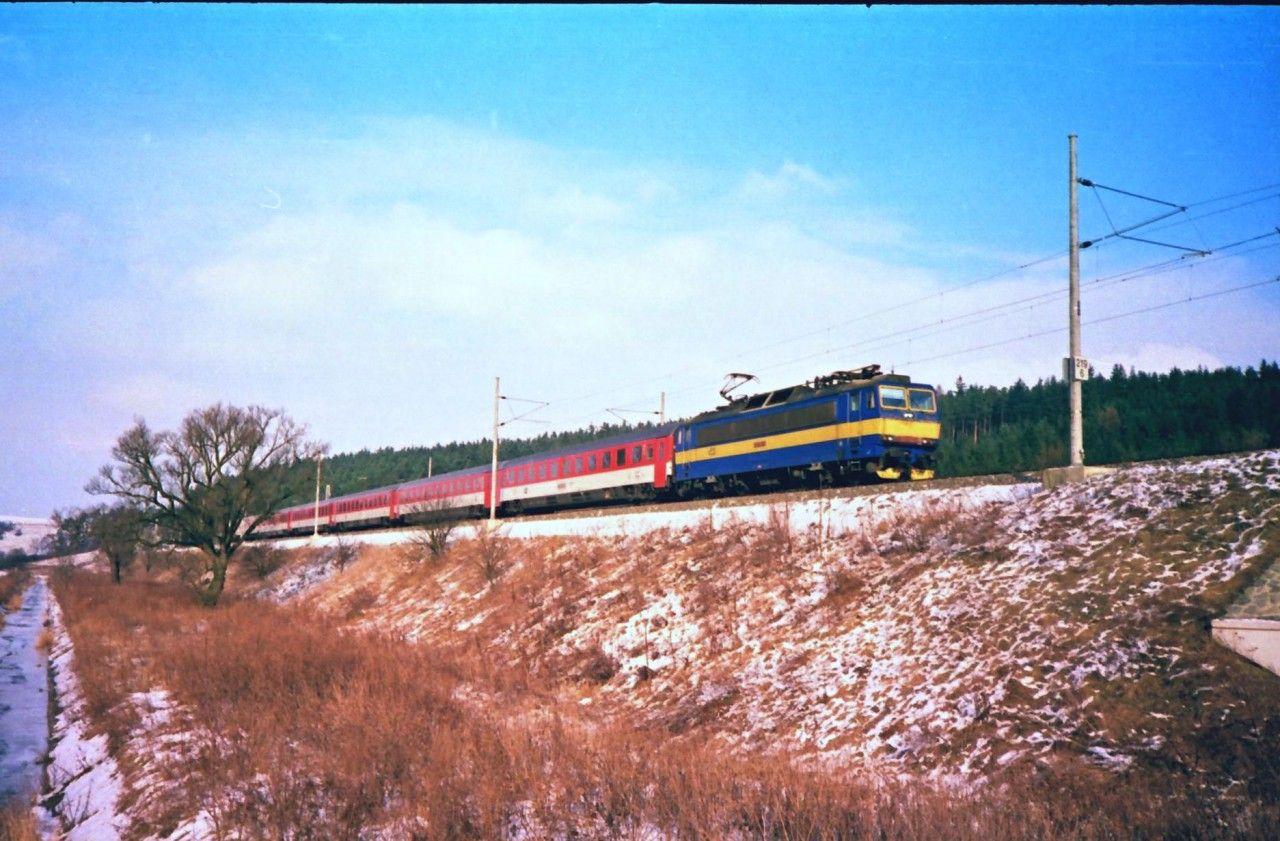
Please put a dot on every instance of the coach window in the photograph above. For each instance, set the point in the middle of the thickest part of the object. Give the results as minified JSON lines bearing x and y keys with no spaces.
{"x":871,"y":399}
{"x":542,"y":471}
{"x":555,"y":470}
{"x":635,"y":453}
{"x":605,"y":460}
{"x":591,"y":462}
{"x":648,"y":451}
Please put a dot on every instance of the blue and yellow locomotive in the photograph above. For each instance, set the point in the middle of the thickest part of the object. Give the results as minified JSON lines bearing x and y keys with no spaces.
{"x":836,"y":429}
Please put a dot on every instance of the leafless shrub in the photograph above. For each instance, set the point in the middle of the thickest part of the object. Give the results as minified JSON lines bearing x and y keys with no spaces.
{"x":358,"y":601}
{"x":158,"y":558}
{"x":597,"y":666}
{"x":435,"y":523}
{"x":843,"y":584}
{"x":428,"y":544}
{"x":778,"y":535}
{"x":493,"y":550}
{"x":863,"y":541}
{"x":192,"y":570}
{"x":262,"y":559}
{"x":338,"y":554}
{"x":945,"y":525}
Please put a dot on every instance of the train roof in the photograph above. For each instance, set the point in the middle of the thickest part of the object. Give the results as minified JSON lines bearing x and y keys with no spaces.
{"x":598,"y":444}
{"x":834,"y":383}
{"x":586,"y":446}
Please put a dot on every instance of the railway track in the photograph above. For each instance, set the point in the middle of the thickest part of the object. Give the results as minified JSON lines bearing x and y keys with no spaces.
{"x":841,"y":492}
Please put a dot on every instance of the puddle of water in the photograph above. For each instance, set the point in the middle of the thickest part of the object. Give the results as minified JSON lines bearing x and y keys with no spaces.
{"x":24,"y":696}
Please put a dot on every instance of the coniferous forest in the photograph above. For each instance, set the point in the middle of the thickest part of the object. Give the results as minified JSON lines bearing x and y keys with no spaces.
{"x":1128,"y":416}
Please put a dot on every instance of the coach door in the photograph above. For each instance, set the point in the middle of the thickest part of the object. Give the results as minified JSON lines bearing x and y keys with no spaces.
{"x":661,"y":458}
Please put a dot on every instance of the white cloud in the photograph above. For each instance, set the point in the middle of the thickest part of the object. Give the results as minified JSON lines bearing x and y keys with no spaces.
{"x":790,"y":179}
{"x":574,"y":206}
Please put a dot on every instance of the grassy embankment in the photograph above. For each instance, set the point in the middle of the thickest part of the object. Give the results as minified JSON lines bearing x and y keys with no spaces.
{"x":298,"y":727}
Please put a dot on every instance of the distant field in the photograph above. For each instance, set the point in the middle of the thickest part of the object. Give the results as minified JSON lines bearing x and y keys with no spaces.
{"x":30,"y":531}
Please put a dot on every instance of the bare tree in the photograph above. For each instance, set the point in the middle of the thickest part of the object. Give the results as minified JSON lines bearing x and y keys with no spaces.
{"x":212,"y":482}
{"x":434,"y":522}
{"x":118,"y":533}
{"x":493,"y":551}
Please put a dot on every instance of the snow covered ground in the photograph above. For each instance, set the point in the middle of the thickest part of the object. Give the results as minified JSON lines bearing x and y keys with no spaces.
{"x":84,"y":782}
{"x":948,"y":634}
{"x":957,"y":630}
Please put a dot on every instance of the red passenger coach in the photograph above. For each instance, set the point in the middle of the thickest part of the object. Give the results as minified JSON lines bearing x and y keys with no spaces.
{"x":633,"y":467}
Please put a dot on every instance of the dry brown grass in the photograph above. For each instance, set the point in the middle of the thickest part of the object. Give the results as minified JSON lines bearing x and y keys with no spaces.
{"x":304,"y":730}
{"x":18,"y":823}
{"x":44,"y":641}
{"x":12,"y":585}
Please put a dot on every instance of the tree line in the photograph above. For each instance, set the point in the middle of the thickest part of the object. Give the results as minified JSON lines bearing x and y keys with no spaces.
{"x":1129,"y":416}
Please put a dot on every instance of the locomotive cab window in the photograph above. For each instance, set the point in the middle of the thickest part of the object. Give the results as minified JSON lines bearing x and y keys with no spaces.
{"x":893,"y":397}
{"x":922,"y":400}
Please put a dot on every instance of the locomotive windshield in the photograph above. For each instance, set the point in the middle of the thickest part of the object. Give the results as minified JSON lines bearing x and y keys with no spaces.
{"x":922,"y":400}
{"x":914,"y":399}
{"x":893,"y":397}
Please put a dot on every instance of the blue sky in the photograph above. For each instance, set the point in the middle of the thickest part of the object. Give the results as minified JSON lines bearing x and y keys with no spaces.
{"x":363,"y":214}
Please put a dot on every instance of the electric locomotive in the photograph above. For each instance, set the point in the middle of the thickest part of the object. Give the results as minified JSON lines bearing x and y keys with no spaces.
{"x":840,"y":428}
